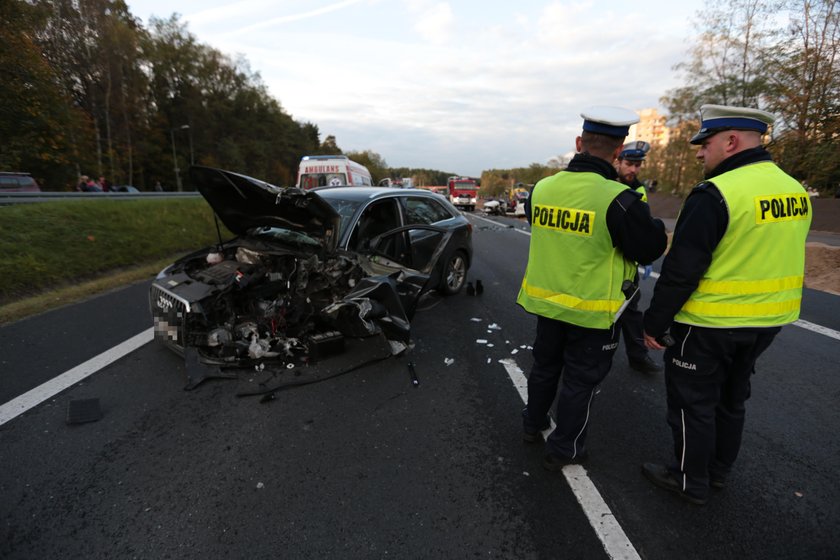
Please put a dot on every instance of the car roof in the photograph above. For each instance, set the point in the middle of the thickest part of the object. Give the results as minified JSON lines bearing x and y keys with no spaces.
{"x":364,"y":193}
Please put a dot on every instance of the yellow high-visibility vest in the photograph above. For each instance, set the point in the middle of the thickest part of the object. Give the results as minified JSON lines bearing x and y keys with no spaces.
{"x":642,"y":191}
{"x":757,"y":271}
{"x":574,"y":273}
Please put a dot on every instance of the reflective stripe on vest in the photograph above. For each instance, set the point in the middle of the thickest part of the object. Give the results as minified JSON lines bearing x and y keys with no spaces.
{"x":756,"y":275}
{"x":572,"y":302}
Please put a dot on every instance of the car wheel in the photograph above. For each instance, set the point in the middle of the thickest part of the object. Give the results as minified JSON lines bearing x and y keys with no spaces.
{"x":454,"y":274}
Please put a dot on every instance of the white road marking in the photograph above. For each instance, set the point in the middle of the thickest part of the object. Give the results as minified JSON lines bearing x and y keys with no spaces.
{"x":609,"y":532}
{"x":36,"y":396}
{"x":817,"y":329}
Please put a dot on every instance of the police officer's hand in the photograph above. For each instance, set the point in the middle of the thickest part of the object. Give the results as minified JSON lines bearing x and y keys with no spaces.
{"x":646,"y":272}
{"x":651,"y":343}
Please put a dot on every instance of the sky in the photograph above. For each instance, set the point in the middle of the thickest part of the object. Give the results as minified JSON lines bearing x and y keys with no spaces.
{"x":459,"y":86}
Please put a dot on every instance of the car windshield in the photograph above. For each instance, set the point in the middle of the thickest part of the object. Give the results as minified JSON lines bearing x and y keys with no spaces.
{"x":286,"y":236}
{"x":345,"y":209}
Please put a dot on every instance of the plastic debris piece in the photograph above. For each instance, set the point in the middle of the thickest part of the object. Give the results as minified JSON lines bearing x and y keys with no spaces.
{"x":290,"y":366}
{"x":490,"y":345}
{"x":515,"y":351}
{"x":475,"y":320}
{"x":798,"y":494}
{"x":481,"y":341}
{"x":414,"y":380}
{"x":449,"y":361}
{"x":489,"y":360}
{"x":526,"y":473}
{"x":260,"y":485}
{"x":494,"y":327}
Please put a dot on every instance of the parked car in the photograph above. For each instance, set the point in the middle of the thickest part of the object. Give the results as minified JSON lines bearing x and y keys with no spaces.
{"x":17,"y":182}
{"x":124,"y":188}
{"x":306,"y":269}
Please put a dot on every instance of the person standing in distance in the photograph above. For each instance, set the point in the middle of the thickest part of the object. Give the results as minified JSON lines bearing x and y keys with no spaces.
{"x":732,"y":278}
{"x":587,"y":233}
{"x":629,"y":162}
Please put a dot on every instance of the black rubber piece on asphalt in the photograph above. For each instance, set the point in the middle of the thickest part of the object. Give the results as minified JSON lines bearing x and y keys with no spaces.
{"x":80,"y":411}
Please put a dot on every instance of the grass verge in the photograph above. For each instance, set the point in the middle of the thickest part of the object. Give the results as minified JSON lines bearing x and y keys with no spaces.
{"x":56,"y":253}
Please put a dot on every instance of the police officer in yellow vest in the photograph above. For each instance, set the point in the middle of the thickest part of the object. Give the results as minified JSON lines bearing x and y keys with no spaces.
{"x":587,"y":233}
{"x":732,"y":278}
{"x":630,"y":160}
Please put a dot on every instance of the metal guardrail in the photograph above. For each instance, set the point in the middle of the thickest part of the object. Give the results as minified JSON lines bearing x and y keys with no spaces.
{"x":22,"y":198}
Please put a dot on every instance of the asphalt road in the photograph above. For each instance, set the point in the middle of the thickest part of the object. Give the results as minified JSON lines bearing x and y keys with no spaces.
{"x":368,"y":466}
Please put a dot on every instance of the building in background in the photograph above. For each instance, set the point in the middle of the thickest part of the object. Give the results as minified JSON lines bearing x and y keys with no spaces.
{"x":650,"y":128}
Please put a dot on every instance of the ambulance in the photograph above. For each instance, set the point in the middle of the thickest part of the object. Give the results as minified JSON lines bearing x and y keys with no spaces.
{"x":331,"y":171}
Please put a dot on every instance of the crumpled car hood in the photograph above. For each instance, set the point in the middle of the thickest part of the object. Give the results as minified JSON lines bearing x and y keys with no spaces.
{"x":243,"y":203}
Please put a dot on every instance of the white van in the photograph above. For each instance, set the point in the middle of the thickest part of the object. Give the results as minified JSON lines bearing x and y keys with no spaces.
{"x":331,"y":171}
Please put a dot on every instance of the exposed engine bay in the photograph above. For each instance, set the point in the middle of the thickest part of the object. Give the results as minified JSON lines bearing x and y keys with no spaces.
{"x":248,"y":303}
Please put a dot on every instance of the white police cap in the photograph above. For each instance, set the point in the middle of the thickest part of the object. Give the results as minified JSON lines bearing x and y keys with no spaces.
{"x":611,"y":121}
{"x":634,"y":151}
{"x":717,"y":118}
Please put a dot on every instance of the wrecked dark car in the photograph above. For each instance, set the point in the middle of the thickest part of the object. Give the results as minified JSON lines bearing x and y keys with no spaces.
{"x":309,"y":275}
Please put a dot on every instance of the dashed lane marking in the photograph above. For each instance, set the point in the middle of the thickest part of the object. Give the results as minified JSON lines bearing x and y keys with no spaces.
{"x":39,"y":394}
{"x":609,"y":532}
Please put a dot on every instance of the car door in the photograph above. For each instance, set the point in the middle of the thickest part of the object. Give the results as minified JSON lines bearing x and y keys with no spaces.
{"x":428,"y":239}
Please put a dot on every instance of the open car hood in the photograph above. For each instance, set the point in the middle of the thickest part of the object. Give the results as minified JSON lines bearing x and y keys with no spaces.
{"x":243,"y":203}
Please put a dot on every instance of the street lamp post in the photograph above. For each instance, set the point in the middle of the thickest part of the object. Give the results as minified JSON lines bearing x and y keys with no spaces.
{"x":192,"y":153}
{"x":175,"y":155}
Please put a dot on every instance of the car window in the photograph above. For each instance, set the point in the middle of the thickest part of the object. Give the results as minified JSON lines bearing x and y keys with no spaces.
{"x":345,"y":208}
{"x":420,"y":210}
{"x":8,"y":182}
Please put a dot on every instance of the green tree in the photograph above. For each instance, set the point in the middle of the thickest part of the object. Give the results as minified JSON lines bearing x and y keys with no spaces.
{"x":804,"y":91}
{"x":741,"y":59}
{"x":36,"y":118}
{"x":373,"y":161}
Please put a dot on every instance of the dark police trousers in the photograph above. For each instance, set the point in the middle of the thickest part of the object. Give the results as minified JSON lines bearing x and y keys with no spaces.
{"x":633,"y":329}
{"x":583,"y":357}
{"x":707,"y":378}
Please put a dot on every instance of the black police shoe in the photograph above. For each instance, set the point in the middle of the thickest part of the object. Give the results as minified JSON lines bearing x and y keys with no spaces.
{"x":530,"y":435}
{"x":645,"y":365}
{"x":660,"y":476}
{"x":552,"y":462}
{"x":717,"y":481}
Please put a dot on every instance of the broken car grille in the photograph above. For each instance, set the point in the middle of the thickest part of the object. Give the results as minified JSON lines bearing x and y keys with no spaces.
{"x":169,"y":314}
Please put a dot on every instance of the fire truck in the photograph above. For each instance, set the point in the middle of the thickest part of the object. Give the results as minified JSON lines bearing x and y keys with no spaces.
{"x":463,"y":192}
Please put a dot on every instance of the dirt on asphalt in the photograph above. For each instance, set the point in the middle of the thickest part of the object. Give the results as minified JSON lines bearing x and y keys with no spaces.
{"x":822,"y":261}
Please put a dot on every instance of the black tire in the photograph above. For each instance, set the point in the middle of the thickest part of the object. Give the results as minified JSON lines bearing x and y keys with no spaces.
{"x":454,"y":274}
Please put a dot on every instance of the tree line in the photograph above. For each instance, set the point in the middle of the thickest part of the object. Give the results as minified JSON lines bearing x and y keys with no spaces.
{"x":780,"y":56}
{"x":88,"y":90}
